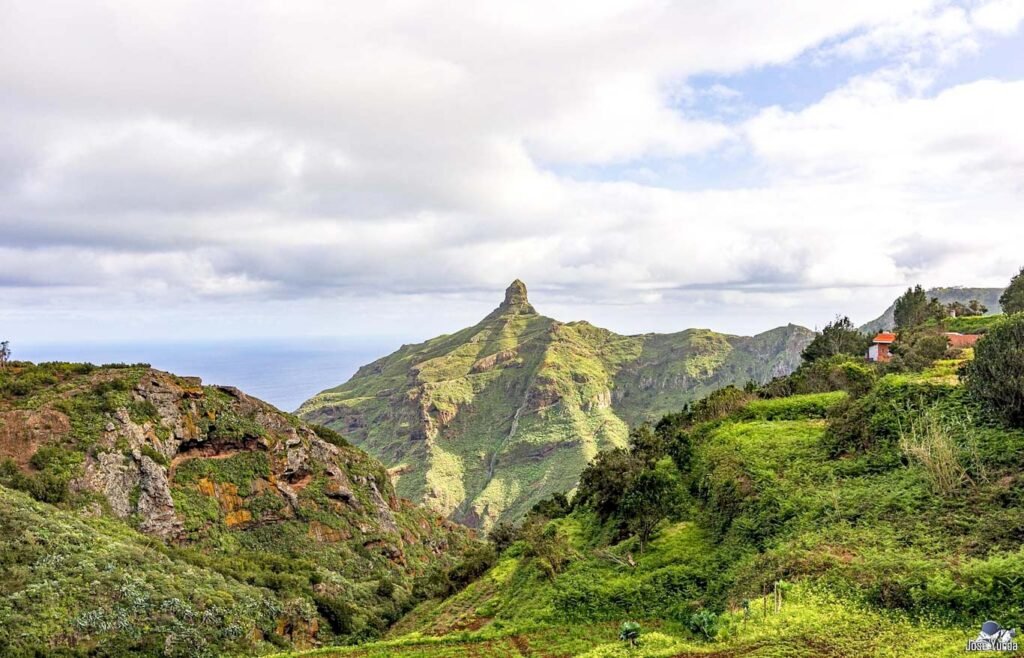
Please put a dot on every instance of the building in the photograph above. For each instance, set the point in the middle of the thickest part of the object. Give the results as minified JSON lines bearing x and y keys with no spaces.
{"x":881,"y":346}
{"x":961,"y":341}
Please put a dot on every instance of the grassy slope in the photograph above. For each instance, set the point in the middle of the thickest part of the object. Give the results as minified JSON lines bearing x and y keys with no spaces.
{"x":877,"y":560}
{"x":73,"y":582}
{"x":323,"y":568}
{"x":441,"y":414}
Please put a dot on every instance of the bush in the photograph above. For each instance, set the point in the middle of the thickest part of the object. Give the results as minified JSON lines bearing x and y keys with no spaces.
{"x":837,"y":373}
{"x":797,"y":407}
{"x":880,"y":418}
{"x":704,"y":624}
{"x":330,"y":436}
{"x":478,"y":559}
{"x":503,"y":535}
{"x":996,"y":375}
{"x":629,"y":633}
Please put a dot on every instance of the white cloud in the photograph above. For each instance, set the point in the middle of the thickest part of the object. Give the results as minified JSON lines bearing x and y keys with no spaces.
{"x":203,"y":152}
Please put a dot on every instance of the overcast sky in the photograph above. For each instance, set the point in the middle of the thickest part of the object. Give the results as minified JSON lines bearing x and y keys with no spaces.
{"x":250,"y":169}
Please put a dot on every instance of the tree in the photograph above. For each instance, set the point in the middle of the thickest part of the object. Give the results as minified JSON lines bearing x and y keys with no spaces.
{"x":647,"y":445}
{"x":918,"y":348}
{"x":653,"y":496}
{"x":1012,"y":299}
{"x":5,"y":354}
{"x":914,"y":309}
{"x":603,"y":482}
{"x":996,"y":375}
{"x":837,"y":338}
{"x":547,"y":545}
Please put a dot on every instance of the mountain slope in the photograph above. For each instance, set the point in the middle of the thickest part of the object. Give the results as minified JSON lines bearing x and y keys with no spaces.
{"x":483,"y":423}
{"x":271,"y":531}
{"x":820,"y":524}
{"x":987,"y":296}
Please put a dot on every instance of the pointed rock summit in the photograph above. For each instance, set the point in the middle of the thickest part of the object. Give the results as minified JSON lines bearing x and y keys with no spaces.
{"x":516,"y":300}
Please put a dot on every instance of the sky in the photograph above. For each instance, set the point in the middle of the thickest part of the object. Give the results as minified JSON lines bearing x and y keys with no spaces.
{"x":264,"y":169}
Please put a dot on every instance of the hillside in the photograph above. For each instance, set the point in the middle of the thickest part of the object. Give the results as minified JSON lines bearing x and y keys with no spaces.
{"x":172,"y":518}
{"x":987,"y":296}
{"x":483,"y":423}
{"x":880,"y":521}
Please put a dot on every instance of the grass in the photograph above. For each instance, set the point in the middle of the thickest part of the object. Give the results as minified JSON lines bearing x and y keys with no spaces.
{"x":809,"y":623}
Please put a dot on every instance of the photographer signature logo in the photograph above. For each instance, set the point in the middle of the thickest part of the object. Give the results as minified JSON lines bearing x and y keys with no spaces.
{"x":994,"y":637}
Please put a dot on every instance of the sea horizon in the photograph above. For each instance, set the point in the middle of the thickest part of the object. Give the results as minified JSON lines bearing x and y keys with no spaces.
{"x":284,"y":372}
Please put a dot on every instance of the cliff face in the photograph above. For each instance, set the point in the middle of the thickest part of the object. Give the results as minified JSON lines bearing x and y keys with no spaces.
{"x":253,"y":494}
{"x":483,"y":423}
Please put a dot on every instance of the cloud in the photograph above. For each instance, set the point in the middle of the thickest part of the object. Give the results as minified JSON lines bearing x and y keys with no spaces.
{"x":187,"y":155}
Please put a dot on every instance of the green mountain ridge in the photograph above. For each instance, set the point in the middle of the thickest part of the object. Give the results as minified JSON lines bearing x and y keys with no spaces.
{"x":483,"y":423}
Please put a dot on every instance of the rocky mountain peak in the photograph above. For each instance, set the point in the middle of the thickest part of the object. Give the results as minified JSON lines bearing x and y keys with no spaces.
{"x":516,"y":299}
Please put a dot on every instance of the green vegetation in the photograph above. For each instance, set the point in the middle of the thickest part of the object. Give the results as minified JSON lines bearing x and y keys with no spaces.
{"x":979,"y":324}
{"x":75,"y":586}
{"x":264,"y":533}
{"x":876,"y":514}
{"x":1012,"y":299}
{"x":838,"y":338}
{"x":484,"y":423}
{"x":996,"y":375}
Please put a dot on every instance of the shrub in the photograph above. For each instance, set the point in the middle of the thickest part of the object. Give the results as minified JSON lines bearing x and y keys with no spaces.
{"x":880,"y":418}
{"x":720,"y":404}
{"x":996,"y":375}
{"x":554,"y":506}
{"x":502,"y":535}
{"x":152,"y":453}
{"x":330,"y":436}
{"x":547,"y":546}
{"x":629,"y":633}
{"x":704,"y":623}
{"x":797,"y":407}
{"x":478,"y":559}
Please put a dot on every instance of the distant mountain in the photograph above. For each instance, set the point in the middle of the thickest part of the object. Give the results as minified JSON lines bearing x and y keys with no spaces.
{"x":176,"y":519}
{"x":483,"y":423}
{"x":987,"y":296}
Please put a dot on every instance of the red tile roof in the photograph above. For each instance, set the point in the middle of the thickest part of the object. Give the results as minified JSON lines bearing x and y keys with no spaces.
{"x":885,"y":337}
{"x":961,"y":340}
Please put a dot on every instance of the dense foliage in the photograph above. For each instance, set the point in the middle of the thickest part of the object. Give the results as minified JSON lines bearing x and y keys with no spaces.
{"x":1012,"y":299}
{"x":996,"y":375}
{"x":914,"y":308}
{"x":838,"y":338}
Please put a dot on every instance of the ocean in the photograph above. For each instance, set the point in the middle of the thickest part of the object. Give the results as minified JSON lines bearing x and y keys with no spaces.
{"x":284,"y":373}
